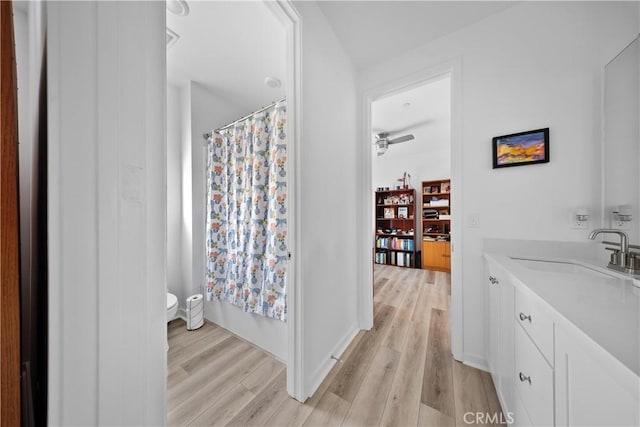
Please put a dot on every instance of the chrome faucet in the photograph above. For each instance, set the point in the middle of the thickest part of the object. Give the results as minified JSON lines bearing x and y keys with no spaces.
{"x":624,"y":240}
{"x":621,"y":259}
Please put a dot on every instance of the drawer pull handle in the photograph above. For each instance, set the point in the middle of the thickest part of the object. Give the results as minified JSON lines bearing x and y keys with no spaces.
{"x":524,"y":378}
{"x":524,"y":317}
{"x":493,"y":280}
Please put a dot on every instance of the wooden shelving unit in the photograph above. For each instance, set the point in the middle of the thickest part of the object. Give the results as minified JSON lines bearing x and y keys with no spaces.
{"x":395,"y":234}
{"x":436,"y":224}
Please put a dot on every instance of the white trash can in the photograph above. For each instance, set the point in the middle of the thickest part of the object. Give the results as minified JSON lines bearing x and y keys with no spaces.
{"x":195,"y":312}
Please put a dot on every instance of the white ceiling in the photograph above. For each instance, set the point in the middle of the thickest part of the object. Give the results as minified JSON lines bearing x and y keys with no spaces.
{"x":429,"y":109}
{"x":429,"y":104}
{"x":375,"y":31}
{"x":229,"y":47}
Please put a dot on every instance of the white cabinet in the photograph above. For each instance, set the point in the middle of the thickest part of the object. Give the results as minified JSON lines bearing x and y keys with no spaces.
{"x":547,"y":371}
{"x":499,"y":338}
{"x":592,"y":388}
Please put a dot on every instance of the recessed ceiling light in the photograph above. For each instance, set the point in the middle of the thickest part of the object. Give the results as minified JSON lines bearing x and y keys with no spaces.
{"x":178,"y":7}
{"x":272,"y":82}
{"x":406,"y":105}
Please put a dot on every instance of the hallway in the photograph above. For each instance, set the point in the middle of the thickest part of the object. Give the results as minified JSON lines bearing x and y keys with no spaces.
{"x":400,"y":373}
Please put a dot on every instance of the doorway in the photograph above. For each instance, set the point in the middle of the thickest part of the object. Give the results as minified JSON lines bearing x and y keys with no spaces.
{"x":214,"y":80}
{"x":447,"y":71}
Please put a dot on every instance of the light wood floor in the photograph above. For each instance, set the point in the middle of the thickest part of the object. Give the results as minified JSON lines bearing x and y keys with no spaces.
{"x":400,"y":373}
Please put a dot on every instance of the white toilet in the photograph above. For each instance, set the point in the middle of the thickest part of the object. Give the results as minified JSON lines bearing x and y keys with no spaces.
{"x":172,"y":306}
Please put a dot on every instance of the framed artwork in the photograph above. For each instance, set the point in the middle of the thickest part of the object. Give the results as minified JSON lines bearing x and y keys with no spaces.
{"x":523,"y":148}
{"x":403,"y":212}
{"x":389,"y":213}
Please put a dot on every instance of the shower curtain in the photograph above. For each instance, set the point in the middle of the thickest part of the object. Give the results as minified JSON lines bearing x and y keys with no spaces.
{"x":247,"y":214}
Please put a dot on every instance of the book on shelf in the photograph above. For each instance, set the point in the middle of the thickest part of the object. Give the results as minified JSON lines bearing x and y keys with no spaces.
{"x":445,"y":216}
{"x":381,"y":257}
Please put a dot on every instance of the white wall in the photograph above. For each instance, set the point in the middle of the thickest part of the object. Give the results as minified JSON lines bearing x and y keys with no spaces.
{"x":327,"y":183}
{"x":174,"y":193}
{"x":534,"y":65}
{"x":425,"y":165}
{"x":106,"y":218}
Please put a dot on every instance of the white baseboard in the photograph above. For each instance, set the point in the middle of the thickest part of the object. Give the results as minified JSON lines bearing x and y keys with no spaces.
{"x":323,"y":370}
{"x":475,"y":361}
{"x":182,"y":314}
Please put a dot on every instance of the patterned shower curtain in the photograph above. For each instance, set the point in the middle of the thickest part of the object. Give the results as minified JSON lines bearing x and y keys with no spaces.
{"x":246,"y":214}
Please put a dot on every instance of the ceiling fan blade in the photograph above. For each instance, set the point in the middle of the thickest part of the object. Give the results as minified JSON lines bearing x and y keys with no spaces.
{"x":401,"y":139}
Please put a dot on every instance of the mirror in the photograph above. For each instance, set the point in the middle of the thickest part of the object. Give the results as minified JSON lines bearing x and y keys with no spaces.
{"x":621,"y":150}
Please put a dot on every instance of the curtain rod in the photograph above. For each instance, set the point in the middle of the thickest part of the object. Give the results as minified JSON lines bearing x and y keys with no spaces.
{"x":208,"y":135}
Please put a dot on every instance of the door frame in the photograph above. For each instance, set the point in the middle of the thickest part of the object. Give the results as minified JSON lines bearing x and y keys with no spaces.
{"x":453,"y":68}
{"x":288,"y":16}
{"x":9,"y":229}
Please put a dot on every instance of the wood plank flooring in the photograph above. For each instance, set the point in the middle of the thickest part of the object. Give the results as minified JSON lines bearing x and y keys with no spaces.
{"x":400,"y":373}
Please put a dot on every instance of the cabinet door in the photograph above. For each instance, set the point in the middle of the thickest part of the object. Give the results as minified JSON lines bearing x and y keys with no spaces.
{"x":500,"y":323}
{"x":436,"y":256}
{"x":506,"y":353}
{"x":592,"y":388}
{"x":493,"y":319}
{"x":445,"y":256}
{"x":429,"y":255}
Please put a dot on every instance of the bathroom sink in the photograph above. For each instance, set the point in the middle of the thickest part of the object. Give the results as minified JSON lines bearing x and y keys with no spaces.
{"x":560,"y":267}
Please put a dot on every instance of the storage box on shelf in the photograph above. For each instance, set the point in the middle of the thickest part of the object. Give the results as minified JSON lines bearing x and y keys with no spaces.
{"x":395,"y":227}
{"x":436,"y":225}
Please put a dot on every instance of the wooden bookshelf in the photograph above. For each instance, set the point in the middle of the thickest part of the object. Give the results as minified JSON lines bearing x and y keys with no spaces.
{"x":436,"y":224}
{"x":395,"y":234}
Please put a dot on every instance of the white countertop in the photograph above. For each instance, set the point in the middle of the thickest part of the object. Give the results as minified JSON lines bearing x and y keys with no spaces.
{"x":605,"y":308}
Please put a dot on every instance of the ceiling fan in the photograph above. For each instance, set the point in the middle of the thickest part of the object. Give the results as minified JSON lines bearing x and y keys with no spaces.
{"x":383,"y":141}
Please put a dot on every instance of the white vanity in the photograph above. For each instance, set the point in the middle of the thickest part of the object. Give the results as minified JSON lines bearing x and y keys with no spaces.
{"x":563,"y":341}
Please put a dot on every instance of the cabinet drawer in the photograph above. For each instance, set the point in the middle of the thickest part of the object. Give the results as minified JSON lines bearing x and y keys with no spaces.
{"x":537,"y":322}
{"x":534,"y":381}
